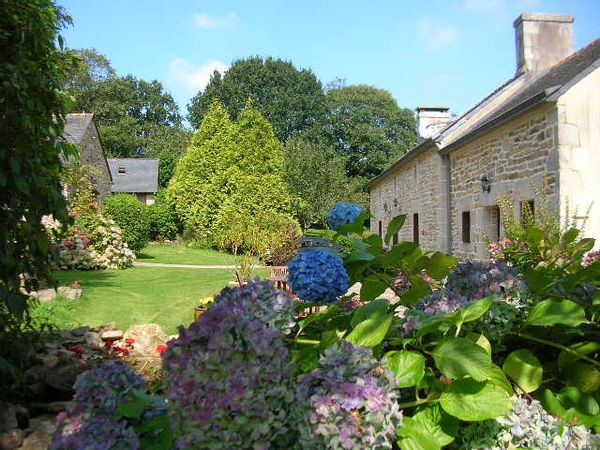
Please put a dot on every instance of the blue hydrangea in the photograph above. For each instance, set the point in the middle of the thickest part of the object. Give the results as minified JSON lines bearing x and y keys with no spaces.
{"x":317,"y":275}
{"x":349,"y":403}
{"x":262,"y":301}
{"x":228,"y":380}
{"x":343,"y":213}
{"x":87,"y":431}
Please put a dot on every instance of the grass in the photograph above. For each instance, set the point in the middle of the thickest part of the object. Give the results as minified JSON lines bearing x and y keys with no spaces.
{"x":179,"y":253}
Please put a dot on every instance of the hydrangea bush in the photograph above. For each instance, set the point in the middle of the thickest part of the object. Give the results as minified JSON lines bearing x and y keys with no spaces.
{"x":343,"y":213}
{"x":527,"y":425}
{"x":259,"y":300}
{"x":348,"y":403}
{"x":317,"y":275}
{"x":228,"y":380}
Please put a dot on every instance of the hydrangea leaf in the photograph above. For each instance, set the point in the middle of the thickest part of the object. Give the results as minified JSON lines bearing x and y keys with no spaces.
{"x":372,"y":331}
{"x":371,"y":288}
{"x":565,"y":359}
{"x":583,"y":376}
{"x":556,"y":312}
{"x":525,"y":369}
{"x":393,"y":227}
{"x":459,"y":358}
{"x":409,"y":367}
{"x":440,"y":265}
{"x":499,"y":379}
{"x":472,"y":400}
{"x":571,"y":397}
{"x":480,"y":340}
{"x":367,"y":310}
{"x":474,"y":311}
{"x":431,"y":428}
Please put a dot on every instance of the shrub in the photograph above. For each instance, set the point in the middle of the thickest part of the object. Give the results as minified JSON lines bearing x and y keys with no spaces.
{"x":289,"y":247}
{"x":132,"y":217}
{"x":164,"y":223}
{"x":349,"y":403}
{"x":228,"y":383}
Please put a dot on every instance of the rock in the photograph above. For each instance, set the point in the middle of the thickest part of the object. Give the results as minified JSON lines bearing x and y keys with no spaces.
{"x":51,"y":407}
{"x":81,"y":331}
{"x":44,"y":295}
{"x":147,"y":337}
{"x":63,"y":377}
{"x":110,"y":326}
{"x":11,"y":440}
{"x":69,"y":292}
{"x":8,"y":417}
{"x":42,"y":428}
{"x":50,"y":360}
{"x":113,"y":335}
{"x":23,"y":416}
{"x":93,"y":339}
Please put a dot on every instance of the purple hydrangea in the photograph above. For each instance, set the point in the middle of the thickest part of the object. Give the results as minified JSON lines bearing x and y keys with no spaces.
{"x":343,"y":213}
{"x":441,"y":302}
{"x":92,"y":419}
{"x":349,"y":403}
{"x":87,"y":431}
{"x":590,"y":258}
{"x":318,"y":276}
{"x":228,"y":380}
{"x":259,"y":300}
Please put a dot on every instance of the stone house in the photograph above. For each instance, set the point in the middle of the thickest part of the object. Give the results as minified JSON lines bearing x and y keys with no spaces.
{"x":80,"y":129}
{"x":137,"y":176}
{"x":535,"y":139}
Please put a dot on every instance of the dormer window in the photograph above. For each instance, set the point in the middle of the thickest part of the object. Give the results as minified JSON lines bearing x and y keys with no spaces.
{"x":121,"y":169}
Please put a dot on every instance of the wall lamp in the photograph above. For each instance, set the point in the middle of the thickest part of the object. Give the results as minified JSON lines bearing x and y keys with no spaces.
{"x":486,"y":184}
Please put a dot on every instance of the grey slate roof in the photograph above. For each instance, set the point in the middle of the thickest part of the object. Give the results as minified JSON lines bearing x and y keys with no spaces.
{"x":75,"y":126}
{"x":141,"y":175}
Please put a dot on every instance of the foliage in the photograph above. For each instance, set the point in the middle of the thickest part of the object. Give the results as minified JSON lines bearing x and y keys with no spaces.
{"x":290,"y":236}
{"x":343,"y":213}
{"x":367,"y":127}
{"x":259,"y":300}
{"x":232,"y":174}
{"x":228,"y":382}
{"x":77,"y":178}
{"x":348,"y":403}
{"x":318,"y":276}
{"x":290,"y":99}
{"x":317,"y":178}
{"x":132,"y":217}
{"x":164,"y":223}
{"x":32,"y":110}
{"x":527,"y":425}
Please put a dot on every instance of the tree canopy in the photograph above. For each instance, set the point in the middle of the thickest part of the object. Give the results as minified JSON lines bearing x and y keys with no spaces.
{"x":232,"y":169}
{"x":367,"y":126}
{"x":292,"y":100}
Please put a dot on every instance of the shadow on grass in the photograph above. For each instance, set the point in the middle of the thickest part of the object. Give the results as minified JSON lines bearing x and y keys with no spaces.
{"x":144,"y":256}
{"x":89,"y":278}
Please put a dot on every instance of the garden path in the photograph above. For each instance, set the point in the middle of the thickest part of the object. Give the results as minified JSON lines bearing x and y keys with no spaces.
{"x":190,"y":266}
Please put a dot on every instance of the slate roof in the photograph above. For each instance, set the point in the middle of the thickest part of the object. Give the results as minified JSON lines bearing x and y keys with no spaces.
{"x":75,"y":126}
{"x":140,"y":176}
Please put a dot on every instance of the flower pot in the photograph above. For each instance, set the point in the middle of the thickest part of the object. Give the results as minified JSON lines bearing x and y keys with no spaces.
{"x":198,"y":311}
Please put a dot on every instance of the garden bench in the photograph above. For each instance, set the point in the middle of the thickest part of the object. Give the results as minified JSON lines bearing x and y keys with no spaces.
{"x":279,"y":277}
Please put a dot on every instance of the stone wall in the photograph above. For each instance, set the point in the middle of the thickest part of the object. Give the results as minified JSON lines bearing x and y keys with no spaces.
{"x":91,"y":153}
{"x":417,"y":187}
{"x":520,"y":159}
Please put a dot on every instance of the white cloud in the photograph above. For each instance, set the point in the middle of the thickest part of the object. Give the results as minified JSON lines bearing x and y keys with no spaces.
{"x":209,"y":22}
{"x":193,"y":78}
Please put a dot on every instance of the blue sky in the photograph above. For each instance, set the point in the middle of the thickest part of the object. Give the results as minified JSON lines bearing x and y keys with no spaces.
{"x":434,"y":52}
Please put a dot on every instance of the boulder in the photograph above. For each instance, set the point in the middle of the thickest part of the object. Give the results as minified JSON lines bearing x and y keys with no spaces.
{"x":44,"y":295}
{"x":147,"y":337}
{"x":11,"y":440}
{"x":23,"y":416}
{"x":111,"y":335}
{"x":69,"y":292}
{"x":41,"y":430}
{"x":93,"y":339}
{"x":8,"y":416}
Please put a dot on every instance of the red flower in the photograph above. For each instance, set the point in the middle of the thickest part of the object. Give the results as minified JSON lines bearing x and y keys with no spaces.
{"x":78,"y":350}
{"x":129,"y":341}
{"x":121,"y":350}
{"x":161,"y":348}
{"x":75,"y":284}
{"x":109,"y":343}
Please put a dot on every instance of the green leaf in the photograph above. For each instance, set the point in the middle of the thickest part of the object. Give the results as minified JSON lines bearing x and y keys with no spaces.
{"x":379,"y":306}
{"x":475,"y":310}
{"x":499,"y":379}
{"x":420,"y":288}
{"x":569,"y":236}
{"x":472,"y":400}
{"x":459,"y":358}
{"x":133,"y":408}
{"x":358,"y":256}
{"x":565,"y":359}
{"x":480,"y":340}
{"x":571,"y":397}
{"x":409,"y":367}
{"x":372,"y":287}
{"x":393,"y":227}
{"x":440,"y":265}
{"x":583,"y":376}
{"x":372,"y":331}
{"x":525,"y":369}
{"x":430,"y":428}
{"x":556,"y":312}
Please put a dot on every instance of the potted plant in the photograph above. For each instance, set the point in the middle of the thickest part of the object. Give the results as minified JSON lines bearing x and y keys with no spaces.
{"x":203,"y":305}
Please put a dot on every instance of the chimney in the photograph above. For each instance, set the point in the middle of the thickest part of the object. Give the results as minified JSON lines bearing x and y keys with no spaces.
{"x":542,"y":40}
{"x":431,"y":120}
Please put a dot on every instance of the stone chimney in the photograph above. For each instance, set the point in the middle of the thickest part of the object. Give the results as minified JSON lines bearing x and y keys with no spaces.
{"x":431,"y":120}
{"x":542,"y":40}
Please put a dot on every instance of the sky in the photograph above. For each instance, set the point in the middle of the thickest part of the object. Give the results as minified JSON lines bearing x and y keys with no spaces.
{"x":432,"y":52}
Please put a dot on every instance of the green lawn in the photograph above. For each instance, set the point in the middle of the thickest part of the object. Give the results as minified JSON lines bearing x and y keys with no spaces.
{"x":178,"y":253}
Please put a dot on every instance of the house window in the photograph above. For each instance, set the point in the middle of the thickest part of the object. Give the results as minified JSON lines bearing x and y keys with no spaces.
{"x":380,"y":228}
{"x":466,"y":227}
{"x":527,"y":212}
{"x":416,"y":229}
{"x":121,"y":169}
